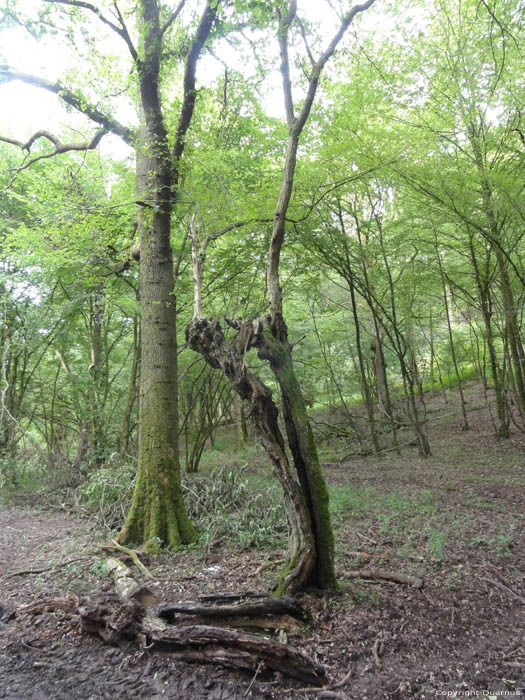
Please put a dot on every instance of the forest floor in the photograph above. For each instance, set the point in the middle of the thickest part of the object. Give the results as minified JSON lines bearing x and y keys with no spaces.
{"x":454,"y":519}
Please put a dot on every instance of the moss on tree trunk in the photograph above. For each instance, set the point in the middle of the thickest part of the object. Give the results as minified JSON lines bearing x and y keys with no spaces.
{"x":304,"y":451}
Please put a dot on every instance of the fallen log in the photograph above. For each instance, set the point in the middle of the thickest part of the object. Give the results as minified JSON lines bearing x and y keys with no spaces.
{"x":261,"y":606}
{"x":112,"y":622}
{"x":413,"y":581}
{"x":275,"y":622}
{"x":67,"y":604}
{"x":126,"y":586}
{"x":231,"y":648}
{"x":136,"y":615}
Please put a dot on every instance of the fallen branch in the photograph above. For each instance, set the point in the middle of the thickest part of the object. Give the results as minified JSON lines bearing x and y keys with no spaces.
{"x":504,"y":581}
{"x":231,"y":597}
{"x":253,"y":679}
{"x":386,"y":576}
{"x":114,"y":545}
{"x":67,"y":604}
{"x":25,"y":572}
{"x":231,"y":648}
{"x":268,"y":565}
{"x":28,"y":645}
{"x":377,"y":653}
{"x":275,"y":622}
{"x":326,"y":688}
{"x":506,"y":589}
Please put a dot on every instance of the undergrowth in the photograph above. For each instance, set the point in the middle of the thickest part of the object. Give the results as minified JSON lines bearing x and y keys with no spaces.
{"x":223,"y":504}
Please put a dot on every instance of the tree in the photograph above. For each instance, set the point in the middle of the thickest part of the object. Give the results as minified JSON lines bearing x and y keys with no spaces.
{"x":310,"y":555}
{"x":157,"y":510}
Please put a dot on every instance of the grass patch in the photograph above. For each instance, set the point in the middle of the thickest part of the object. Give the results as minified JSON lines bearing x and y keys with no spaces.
{"x":411,"y":521}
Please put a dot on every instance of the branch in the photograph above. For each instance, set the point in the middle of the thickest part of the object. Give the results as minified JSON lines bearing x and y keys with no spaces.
{"x":305,"y":40}
{"x":176,"y":12}
{"x":188,"y":105}
{"x":284,"y":26}
{"x":210,"y":237}
{"x":318,"y":67}
{"x":413,"y":581}
{"x":121,"y":31}
{"x":59,"y":146}
{"x":7,"y":73}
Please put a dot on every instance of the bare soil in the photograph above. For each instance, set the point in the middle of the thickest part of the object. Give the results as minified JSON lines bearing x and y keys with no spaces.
{"x":454,"y":519}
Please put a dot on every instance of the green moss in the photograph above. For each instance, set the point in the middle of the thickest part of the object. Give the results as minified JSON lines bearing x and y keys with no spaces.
{"x":280,"y":586}
{"x":157,"y":511}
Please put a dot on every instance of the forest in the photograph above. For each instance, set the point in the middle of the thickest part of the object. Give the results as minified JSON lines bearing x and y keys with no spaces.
{"x":262,"y":367}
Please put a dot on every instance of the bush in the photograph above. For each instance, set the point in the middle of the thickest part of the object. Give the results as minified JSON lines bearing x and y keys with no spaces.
{"x":223,"y":505}
{"x":107,"y":493}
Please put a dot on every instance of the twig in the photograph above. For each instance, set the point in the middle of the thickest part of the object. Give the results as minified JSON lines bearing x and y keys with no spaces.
{"x":41,"y":571}
{"x":253,"y":679}
{"x":377,"y":652}
{"x":326,"y":688}
{"x":268,"y":565}
{"x":30,"y":646}
{"x":365,"y":537}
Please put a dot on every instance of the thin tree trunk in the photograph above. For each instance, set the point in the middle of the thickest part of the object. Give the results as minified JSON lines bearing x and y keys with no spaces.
{"x":238,"y":423}
{"x":362,"y":370}
{"x":451,"y":339}
{"x":132,"y":393}
{"x":484,"y":298}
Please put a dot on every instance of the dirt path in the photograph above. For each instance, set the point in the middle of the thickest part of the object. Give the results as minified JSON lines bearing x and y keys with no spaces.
{"x":456,"y":520}
{"x":47,"y":655}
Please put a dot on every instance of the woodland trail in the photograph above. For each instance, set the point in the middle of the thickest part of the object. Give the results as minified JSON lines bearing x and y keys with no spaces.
{"x":455,"y":520}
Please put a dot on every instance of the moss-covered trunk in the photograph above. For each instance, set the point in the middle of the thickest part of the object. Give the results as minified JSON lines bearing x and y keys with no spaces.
{"x":157,"y":509}
{"x":206,"y":337}
{"x":273,"y":345}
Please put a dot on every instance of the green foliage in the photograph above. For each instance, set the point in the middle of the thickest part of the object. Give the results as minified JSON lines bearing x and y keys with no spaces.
{"x":225,"y":506}
{"x":499,"y":543}
{"x":408,"y":191}
{"x":106,"y":493}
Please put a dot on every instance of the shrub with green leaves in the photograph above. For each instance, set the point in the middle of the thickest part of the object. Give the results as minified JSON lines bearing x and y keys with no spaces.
{"x":224,"y":505}
{"x":107,"y":492}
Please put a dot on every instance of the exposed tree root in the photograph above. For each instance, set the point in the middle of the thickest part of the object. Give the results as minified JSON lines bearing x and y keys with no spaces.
{"x":131,"y":553}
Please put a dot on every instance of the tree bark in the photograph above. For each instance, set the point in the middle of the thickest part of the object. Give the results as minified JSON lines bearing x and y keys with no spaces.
{"x":157,"y":510}
{"x":206,"y":337}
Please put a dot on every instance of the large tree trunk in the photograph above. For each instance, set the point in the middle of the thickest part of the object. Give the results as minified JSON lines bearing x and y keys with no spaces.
{"x":157,"y":510}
